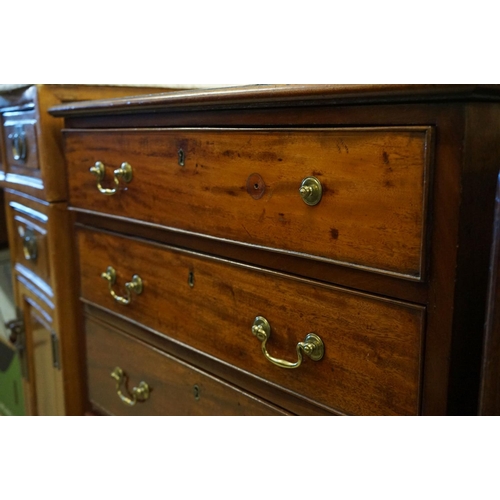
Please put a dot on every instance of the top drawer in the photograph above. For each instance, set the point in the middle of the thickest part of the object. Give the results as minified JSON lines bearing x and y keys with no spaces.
{"x":20,"y":141}
{"x":244,"y":185}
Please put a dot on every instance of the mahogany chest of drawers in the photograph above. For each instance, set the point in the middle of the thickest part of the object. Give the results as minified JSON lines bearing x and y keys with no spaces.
{"x":290,"y":249}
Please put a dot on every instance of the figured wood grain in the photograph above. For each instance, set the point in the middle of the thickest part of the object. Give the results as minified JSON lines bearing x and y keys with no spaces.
{"x":373,"y":346}
{"x":172,"y":381}
{"x":354,"y":278}
{"x":464,"y":169}
{"x":297,"y":405}
{"x":374,"y":181}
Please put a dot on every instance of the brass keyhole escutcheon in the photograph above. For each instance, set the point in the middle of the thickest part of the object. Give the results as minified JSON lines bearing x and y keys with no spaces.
{"x":181,"y":158}
{"x":191,"y":279}
{"x":196,"y":392}
{"x":311,"y":191}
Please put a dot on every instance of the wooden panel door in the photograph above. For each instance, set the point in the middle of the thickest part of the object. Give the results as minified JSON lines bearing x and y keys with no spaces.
{"x":43,"y":384}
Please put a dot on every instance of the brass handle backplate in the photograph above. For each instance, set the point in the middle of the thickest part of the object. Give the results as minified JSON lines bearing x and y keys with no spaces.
{"x":18,"y":143}
{"x":124,"y":173}
{"x":312,"y":346}
{"x":135,"y":286}
{"x":30,"y":247}
{"x":138,"y":394}
{"x":311,"y":191}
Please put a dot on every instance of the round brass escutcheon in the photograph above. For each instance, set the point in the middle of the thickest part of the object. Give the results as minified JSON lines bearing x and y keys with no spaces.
{"x":124,"y":172}
{"x":256,"y":186}
{"x":316,"y":347}
{"x":311,"y":191}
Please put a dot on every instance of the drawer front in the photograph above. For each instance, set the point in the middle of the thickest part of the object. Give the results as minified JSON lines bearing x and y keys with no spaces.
{"x":175,"y":388}
{"x":29,"y":239}
{"x":372,"y":347}
{"x":21,"y":141}
{"x":244,"y":186}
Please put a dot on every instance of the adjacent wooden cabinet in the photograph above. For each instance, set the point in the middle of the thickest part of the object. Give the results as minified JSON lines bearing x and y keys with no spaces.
{"x":302,"y":249}
{"x":490,"y":381}
{"x":32,"y":175}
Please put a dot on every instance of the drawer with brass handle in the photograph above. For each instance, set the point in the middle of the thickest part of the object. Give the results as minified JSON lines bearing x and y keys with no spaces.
{"x":21,"y":141}
{"x":353,"y":196}
{"x":320,"y":342}
{"x":128,"y":377}
{"x":29,"y":226}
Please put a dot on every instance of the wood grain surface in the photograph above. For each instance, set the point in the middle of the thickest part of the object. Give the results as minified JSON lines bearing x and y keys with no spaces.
{"x":176,"y":387}
{"x":372,"y":213}
{"x":373,"y":346}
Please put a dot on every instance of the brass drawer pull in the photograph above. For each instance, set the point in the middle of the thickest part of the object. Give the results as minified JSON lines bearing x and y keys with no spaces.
{"x":135,"y":286}
{"x":312,"y":346}
{"x":311,"y":191}
{"x":18,"y":143}
{"x":30,"y":248}
{"x":139,"y":394}
{"x":123,"y":173}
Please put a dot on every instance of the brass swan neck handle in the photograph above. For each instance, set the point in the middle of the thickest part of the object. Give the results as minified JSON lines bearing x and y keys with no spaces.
{"x":123,"y":173}
{"x":138,"y":394}
{"x":312,"y":346}
{"x":135,"y":286}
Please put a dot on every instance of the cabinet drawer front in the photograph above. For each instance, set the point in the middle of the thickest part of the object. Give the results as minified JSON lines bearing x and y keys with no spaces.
{"x":372,"y":357}
{"x":243,"y":186}
{"x":21,"y":141}
{"x":175,"y":388}
{"x":29,"y":222}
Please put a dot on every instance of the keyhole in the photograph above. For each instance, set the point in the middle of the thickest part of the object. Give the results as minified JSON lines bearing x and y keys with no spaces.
{"x":191,"y":279}
{"x":196,"y":392}
{"x":181,"y":157}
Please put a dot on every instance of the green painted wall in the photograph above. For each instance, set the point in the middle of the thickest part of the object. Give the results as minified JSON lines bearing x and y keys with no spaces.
{"x":11,"y":388}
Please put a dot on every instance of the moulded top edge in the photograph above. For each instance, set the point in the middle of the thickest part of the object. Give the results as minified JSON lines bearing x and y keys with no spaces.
{"x":279,"y":95}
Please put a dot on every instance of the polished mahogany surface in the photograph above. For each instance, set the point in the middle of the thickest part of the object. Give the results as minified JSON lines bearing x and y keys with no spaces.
{"x":392,"y":263}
